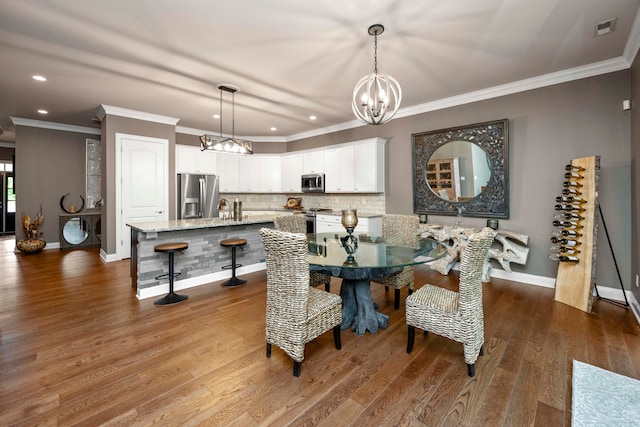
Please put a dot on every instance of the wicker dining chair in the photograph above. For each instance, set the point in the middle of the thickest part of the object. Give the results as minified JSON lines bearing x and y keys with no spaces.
{"x":401,"y":230}
{"x":296,"y":312}
{"x":298,"y":224}
{"x":455,"y":315}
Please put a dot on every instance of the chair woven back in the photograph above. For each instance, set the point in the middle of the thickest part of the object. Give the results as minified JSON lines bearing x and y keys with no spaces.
{"x":291,"y":223}
{"x":287,"y":259}
{"x":400,"y":230}
{"x":472,"y":261}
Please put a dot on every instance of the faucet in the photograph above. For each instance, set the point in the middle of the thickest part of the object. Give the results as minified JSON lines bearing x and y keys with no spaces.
{"x":223,"y":204}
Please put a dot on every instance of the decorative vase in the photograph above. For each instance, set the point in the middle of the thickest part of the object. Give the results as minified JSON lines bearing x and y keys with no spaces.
{"x":30,"y":246}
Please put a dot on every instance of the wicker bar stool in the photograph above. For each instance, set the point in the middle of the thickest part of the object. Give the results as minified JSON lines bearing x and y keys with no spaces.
{"x":233,"y":244}
{"x":170,"y":248}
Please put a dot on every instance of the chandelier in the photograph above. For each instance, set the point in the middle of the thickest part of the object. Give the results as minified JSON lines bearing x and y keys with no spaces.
{"x":224,"y":144}
{"x":377,"y":96}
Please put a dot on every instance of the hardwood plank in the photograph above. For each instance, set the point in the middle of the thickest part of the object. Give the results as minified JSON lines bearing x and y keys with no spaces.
{"x":77,"y":347}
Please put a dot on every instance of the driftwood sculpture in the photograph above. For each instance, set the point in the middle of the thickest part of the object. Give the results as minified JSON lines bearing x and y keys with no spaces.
{"x":454,"y":238}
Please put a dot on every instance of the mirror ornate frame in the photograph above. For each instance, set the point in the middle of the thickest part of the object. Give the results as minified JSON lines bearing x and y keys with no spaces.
{"x":493,"y":201}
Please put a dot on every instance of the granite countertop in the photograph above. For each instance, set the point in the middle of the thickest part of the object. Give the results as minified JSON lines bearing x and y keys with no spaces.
{"x":192,"y":224}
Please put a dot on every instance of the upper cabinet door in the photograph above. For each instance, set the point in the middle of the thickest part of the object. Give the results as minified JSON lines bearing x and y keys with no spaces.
{"x":339,"y":170}
{"x":190,"y":159}
{"x":291,"y":172}
{"x":313,"y":162}
{"x":228,"y":167}
{"x":369,"y":167}
{"x":271,"y":178}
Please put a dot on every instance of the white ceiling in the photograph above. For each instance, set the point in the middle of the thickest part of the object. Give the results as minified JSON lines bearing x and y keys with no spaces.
{"x":289,"y":58}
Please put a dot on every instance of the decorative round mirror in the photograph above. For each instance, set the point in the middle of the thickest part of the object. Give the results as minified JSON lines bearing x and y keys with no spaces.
{"x":458,"y":171}
{"x":462,"y":169}
{"x":75,"y":230}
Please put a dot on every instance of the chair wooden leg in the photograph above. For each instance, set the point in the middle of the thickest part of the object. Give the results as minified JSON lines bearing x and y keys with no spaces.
{"x":268,"y":350}
{"x":296,"y":368}
{"x":336,"y":337}
{"x":471,"y":369}
{"x":411,"y":338}
{"x":396,"y":302}
{"x":327,"y":286}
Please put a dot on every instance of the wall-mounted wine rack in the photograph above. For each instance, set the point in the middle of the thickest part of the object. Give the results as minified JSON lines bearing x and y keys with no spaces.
{"x":574,"y":237}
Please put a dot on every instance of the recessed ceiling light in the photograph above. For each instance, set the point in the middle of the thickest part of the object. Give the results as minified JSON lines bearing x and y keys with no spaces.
{"x":312,"y":117}
{"x":39,"y":78}
{"x":41,"y":111}
{"x":274,"y":128}
{"x":216,"y":116}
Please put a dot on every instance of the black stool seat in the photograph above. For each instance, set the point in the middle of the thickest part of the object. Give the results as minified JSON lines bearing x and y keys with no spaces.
{"x":233,"y":244}
{"x":170,"y":248}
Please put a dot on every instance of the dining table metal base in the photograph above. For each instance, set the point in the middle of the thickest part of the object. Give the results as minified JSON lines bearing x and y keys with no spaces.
{"x":358,"y":309}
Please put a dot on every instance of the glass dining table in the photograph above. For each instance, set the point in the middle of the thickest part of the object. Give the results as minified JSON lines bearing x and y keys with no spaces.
{"x":363,"y":260}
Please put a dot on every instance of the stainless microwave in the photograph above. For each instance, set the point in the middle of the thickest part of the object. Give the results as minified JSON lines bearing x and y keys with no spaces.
{"x":312,"y":183}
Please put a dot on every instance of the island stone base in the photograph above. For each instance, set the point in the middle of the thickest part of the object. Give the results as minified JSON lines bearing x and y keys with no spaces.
{"x":200,"y":264}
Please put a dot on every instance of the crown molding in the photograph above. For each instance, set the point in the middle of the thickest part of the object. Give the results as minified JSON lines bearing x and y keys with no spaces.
{"x":18,"y":121}
{"x":633,"y":41}
{"x":571,"y":74}
{"x":103,"y":110}
{"x":564,"y":76}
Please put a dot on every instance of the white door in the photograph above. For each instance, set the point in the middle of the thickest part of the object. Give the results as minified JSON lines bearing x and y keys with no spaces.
{"x":143,"y":186}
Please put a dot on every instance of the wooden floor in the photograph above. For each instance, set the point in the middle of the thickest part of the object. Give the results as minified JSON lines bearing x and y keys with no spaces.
{"x":78,"y":348}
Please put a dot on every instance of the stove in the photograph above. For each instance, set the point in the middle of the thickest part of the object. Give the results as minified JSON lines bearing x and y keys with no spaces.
{"x":310,"y":215}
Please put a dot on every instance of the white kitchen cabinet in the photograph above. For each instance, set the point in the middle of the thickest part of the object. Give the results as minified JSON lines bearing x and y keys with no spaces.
{"x":270,"y":174}
{"x":313,"y":162}
{"x":333,"y":224}
{"x":340,"y":170}
{"x":369,"y":167}
{"x":229,"y":172}
{"x":249,"y":173}
{"x":190,"y":159}
{"x":291,"y":165}
{"x":259,"y":174}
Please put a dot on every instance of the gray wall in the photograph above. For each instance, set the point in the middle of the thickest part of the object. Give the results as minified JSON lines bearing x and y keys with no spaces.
{"x":110,"y":126}
{"x":548,"y":127}
{"x":49,"y":164}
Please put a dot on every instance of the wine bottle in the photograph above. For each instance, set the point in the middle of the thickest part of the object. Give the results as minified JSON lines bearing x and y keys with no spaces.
{"x":569,"y":184}
{"x":571,"y":200}
{"x":565,"y":242}
{"x":571,"y":192}
{"x":564,"y":258}
{"x":564,"y":250}
{"x":570,"y":208}
{"x":574,"y":168}
{"x":568,"y":215}
{"x":567,"y":224}
{"x":573,"y":175}
{"x":566,"y":233}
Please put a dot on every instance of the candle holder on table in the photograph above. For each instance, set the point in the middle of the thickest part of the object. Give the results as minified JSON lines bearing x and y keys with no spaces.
{"x":349,"y":242}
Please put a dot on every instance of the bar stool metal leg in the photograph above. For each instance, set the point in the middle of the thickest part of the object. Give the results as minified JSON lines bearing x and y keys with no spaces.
{"x":171,"y":297}
{"x":233,"y":244}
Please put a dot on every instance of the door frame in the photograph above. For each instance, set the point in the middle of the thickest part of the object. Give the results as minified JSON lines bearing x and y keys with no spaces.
{"x":119,"y":204}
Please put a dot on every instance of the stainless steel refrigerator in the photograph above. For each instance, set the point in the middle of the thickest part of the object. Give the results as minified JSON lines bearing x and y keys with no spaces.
{"x":198,"y":196}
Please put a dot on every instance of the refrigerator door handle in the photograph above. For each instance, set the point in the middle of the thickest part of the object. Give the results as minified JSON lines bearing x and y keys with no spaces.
{"x":201,"y":197}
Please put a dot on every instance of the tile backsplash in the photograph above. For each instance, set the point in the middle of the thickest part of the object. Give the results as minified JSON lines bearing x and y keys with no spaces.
{"x":369,"y":203}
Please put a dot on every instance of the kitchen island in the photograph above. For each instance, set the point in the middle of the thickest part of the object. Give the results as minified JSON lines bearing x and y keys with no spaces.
{"x":202,"y":262}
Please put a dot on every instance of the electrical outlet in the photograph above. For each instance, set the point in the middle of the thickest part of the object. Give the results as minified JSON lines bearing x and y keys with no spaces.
{"x":637,"y":281}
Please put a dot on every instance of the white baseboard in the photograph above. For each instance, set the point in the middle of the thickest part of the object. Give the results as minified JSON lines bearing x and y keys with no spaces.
{"x":197,"y":281}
